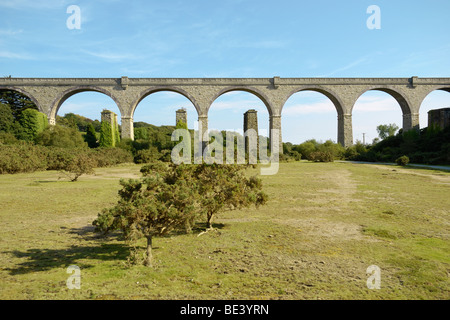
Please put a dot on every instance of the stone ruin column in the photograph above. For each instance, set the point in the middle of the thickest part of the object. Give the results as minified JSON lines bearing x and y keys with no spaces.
{"x":181,"y":115}
{"x":251,"y":132}
{"x":111,"y":118}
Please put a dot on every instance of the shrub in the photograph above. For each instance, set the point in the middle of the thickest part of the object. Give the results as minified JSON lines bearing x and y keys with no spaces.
{"x":147,"y":155}
{"x":336,"y":150}
{"x":402,"y":161}
{"x":321,"y":156}
{"x":107,"y":157}
{"x":351,"y":153}
{"x":79,"y":165}
{"x":8,"y":138}
{"x":21,"y":158}
{"x":306,"y":148}
{"x":57,"y":158}
{"x":62,"y":137}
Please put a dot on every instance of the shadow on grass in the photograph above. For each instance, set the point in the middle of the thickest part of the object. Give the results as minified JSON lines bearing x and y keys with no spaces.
{"x":47,"y":259}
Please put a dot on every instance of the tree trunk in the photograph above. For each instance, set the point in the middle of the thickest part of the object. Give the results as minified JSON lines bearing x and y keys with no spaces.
{"x":149,"y":260}
{"x":209,"y":221}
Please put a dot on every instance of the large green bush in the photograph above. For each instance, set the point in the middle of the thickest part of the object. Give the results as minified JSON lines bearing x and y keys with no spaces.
{"x":6,"y":118}
{"x":19,"y":158}
{"x":315,"y":151}
{"x":147,"y":155}
{"x":106,"y":135}
{"x":107,"y":157}
{"x":26,"y":157}
{"x":402,"y":161}
{"x":32,"y":123}
{"x":62,"y":137}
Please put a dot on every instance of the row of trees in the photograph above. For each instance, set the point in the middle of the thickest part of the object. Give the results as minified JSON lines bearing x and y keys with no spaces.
{"x":430,"y":145}
{"x":21,"y":121}
{"x":28,"y":143}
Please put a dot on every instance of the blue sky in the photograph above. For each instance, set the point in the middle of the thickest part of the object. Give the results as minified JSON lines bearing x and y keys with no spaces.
{"x":232,"y":38}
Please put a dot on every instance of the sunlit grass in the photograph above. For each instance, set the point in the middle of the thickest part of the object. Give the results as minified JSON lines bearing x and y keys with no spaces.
{"x":324,"y":224}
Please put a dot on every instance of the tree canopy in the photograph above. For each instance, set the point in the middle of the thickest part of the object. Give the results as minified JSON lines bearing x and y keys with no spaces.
{"x":387,"y":130}
{"x":16,"y":101}
{"x":171,"y":197}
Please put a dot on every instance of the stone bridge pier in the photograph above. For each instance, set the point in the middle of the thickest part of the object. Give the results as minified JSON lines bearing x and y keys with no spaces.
{"x":50,"y":93}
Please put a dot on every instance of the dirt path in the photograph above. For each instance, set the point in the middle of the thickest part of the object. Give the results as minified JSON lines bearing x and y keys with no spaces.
{"x":318,"y":218}
{"x":442,"y":178}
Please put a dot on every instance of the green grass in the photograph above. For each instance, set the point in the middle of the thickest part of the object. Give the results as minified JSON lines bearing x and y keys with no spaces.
{"x":324,"y":224}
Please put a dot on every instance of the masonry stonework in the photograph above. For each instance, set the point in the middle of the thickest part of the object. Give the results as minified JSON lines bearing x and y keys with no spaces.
{"x":181,"y":116}
{"x":250,"y":123}
{"x":111,"y":118}
{"x":49,"y":93}
{"x":439,"y":118}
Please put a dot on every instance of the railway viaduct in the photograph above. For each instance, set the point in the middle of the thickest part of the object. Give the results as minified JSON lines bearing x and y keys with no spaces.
{"x":49,"y":94}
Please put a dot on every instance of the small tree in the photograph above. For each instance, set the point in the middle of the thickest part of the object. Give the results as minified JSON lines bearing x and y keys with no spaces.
{"x":386,"y":130}
{"x":150,"y":207}
{"x":170,"y":197}
{"x":225,"y":187}
{"x":402,"y":161}
{"x":78,"y":165}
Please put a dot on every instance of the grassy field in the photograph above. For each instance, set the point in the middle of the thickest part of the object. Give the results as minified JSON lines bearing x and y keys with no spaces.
{"x":324,"y":225}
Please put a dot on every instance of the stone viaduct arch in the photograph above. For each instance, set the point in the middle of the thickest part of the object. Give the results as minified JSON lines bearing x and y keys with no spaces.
{"x":344,"y":137}
{"x":25,"y":93}
{"x":61,"y":98}
{"x":49,"y":93}
{"x":150,"y":91}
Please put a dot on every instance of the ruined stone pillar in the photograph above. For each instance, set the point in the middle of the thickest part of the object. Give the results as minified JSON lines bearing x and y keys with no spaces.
{"x":113,"y":134}
{"x":275,"y":130}
{"x":345,"y":130}
{"x":250,"y":123}
{"x":411,"y":121}
{"x":127,"y":128}
{"x":181,"y":116}
{"x":439,"y":118}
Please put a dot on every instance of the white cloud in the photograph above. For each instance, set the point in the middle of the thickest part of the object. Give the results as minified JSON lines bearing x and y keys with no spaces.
{"x":345,"y":68}
{"x":110,"y":56}
{"x":375,"y":104}
{"x":238,"y":106}
{"x":10,"y":32}
{"x":318,"y":107}
{"x":13,"y":55}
